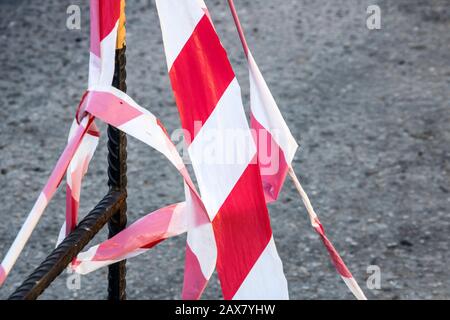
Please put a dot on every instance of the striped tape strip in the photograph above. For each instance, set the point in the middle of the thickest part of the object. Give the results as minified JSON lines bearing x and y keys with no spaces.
{"x":119,"y":110}
{"x":104,"y":23}
{"x":43,"y":200}
{"x":104,"y":19}
{"x":209,"y":98}
{"x":273,"y":131}
{"x":257,"y":271}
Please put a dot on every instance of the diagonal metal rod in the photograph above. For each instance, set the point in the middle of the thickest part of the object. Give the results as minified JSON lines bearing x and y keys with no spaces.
{"x":60,"y":258}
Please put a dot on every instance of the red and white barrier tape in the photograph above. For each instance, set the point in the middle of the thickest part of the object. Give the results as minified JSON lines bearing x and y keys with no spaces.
{"x":267,"y":116}
{"x":44,"y":198}
{"x":239,"y":238}
{"x":119,"y":110}
{"x":104,"y":16}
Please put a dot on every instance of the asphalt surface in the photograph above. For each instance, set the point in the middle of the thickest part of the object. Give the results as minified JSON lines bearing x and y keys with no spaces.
{"x":370,"y":110}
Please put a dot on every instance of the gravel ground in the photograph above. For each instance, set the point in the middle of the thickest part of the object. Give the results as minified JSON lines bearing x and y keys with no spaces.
{"x":370,"y":109}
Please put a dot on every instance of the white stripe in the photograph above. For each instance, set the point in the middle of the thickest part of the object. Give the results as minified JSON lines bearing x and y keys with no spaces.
{"x":222,"y":150}
{"x":61,"y":235}
{"x":108,"y":55}
{"x":145,"y":129}
{"x":202,"y":4}
{"x":73,"y":130}
{"x":266,"y":112}
{"x":266,"y":280}
{"x":88,"y":255}
{"x":200,"y":236}
{"x":94,"y":69}
{"x":82,"y":156}
{"x":88,"y":266}
{"x":178,"y":20}
{"x":202,"y":243}
{"x":354,"y":288}
{"x":24,"y":233}
{"x":178,"y":221}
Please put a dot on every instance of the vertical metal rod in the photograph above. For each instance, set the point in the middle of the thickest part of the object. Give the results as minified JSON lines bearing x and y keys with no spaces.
{"x":117,"y":169}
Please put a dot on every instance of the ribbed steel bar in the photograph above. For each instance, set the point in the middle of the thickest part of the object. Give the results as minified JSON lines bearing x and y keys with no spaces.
{"x":117,"y":170}
{"x":60,"y":258}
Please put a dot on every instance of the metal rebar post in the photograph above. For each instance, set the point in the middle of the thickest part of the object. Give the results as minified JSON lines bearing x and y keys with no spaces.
{"x":117,"y":169}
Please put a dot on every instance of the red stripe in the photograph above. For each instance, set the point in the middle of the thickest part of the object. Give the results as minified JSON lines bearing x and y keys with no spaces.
{"x":109,"y":108}
{"x":194,"y":279}
{"x":208,"y":14}
{"x":64,"y":161}
{"x":73,"y":195}
{"x":160,"y":124}
{"x":2,"y":276}
{"x":93,"y":133}
{"x":95,"y":27}
{"x":93,"y":130}
{"x":273,"y":164}
{"x":71,"y":210}
{"x":200,"y":75}
{"x":109,"y":12}
{"x":335,"y":257}
{"x":242,"y":231}
{"x":152,"y":244}
{"x":145,"y":233}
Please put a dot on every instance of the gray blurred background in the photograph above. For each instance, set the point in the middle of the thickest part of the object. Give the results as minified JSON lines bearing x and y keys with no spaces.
{"x":369,"y":108}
